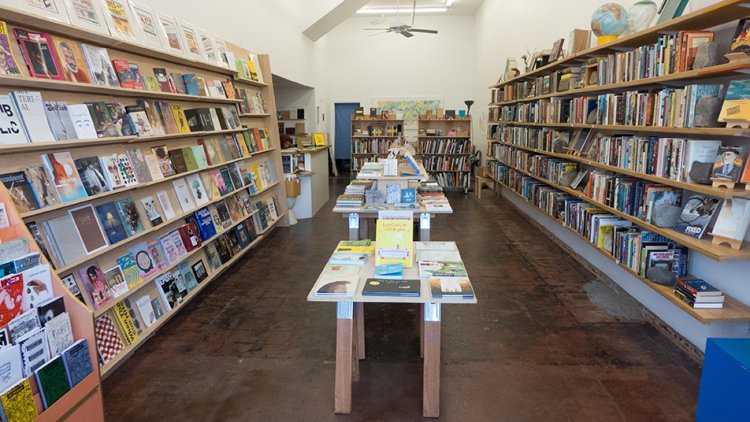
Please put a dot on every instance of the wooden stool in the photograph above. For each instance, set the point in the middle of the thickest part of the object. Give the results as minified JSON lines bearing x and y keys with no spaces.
{"x":479,"y":182}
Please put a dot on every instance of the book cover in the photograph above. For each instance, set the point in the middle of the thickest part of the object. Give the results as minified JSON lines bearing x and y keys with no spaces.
{"x":394,"y":242}
{"x":199,"y":271}
{"x":733,"y":219}
{"x":88,"y":228}
{"x":135,"y":75}
{"x":37,"y":286}
{"x":179,"y":117}
{"x":344,"y":285}
{"x":62,"y":170}
{"x":108,"y":341}
{"x":164,"y":160}
{"x":100,"y":66}
{"x":130,"y":269}
{"x":156,"y":252}
{"x":390,"y":287}
{"x":109,"y":167}
{"x":225,"y":218}
{"x":23,"y":324}
{"x":408,"y":196}
{"x":140,"y":166}
{"x":171,"y":294}
{"x":52,"y":381}
{"x":163,"y":79}
{"x":389,"y":270}
{"x":11,"y":366}
{"x":59,"y":333}
{"x":174,"y":249}
{"x":242,"y":236}
{"x":77,"y":362}
{"x":197,"y":189}
{"x":152,"y":117}
{"x":34,"y":351}
{"x":166,"y":205}
{"x":70,"y":283}
{"x":152,"y":211}
{"x":18,"y":402}
{"x":129,"y":215}
{"x":11,"y":287}
{"x":212,"y":255}
{"x":30,"y":107}
{"x":697,"y":212}
{"x":348,"y":258}
{"x":125,"y":322}
{"x":10,"y":64}
{"x":60,"y":122}
{"x":72,"y":60}
{"x":95,"y":284}
{"x":458,"y":287}
{"x":112,"y":223}
{"x":119,"y":124}
{"x":92,"y":175}
{"x":125,"y":169}
{"x":82,"y":121}
{"x":21,"y":191}
{"x":11,"y":126}
{"x":63,"y":239}
{"x":429,"y":269}
{"x":728,"y":163}
{"x":115,"y":281}
{"x":187,"y":275}
{"x":225,"y":252}
{"x":184,"y":197}
{"x":146,"y":309}
{"x":189,"y":236}
{"x":39,"y":53}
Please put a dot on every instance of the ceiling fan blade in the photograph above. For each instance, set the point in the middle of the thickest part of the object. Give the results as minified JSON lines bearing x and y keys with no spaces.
{"x":426,"y":31}
{"x":407,"y":34}
{"x":375,"y":29}
{"x":413,"y":12}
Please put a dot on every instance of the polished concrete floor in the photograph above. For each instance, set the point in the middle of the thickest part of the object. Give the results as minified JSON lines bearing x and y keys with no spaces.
{"x":546,"y":342}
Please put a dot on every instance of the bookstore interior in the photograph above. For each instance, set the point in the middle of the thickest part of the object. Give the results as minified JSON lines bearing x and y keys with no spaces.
{"x":203,"y":208}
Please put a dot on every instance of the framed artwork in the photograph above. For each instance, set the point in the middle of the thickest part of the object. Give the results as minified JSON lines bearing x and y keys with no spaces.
{"x":87,"y":14}
{"x":50,"y":9}
{"x":148,"y":25}
{"x":221,"y":51}
{"x":191,"y":40}
{"x":120,"y":20}
{"x":170,"y":34}
{"x":208,"y":43}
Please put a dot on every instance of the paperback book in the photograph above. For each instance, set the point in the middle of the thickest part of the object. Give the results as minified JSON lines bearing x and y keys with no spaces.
{"x":390,"y":287}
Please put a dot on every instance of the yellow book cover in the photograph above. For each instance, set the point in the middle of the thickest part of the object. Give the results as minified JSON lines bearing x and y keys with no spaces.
{"x":129,"y":332}
{"x":72,"y":60}
{"x":605,"y":232}
{"x":209,"y":183}
{"x":18,"y":403}
{"x":736,"y":104}
{"x":395,"y":242}
{"x":179,"y":118}
{"x":320,"y":140}
{"x":253,"y":70}
{"x":346,"y":246}
{"x":10,"y":65}
{"x":243,"y":146}
{"x":256,"y":176}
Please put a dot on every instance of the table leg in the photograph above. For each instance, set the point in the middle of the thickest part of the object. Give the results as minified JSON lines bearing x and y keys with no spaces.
{"x":344,"y":352}
{"x":421,"y":331}
{"x":424,"y":227}
{"x":364,"y":228}
{"x":359,"y":312}
{"x":431,"y":374}
{"x":355,"y":347}
{"x":354,"y":224}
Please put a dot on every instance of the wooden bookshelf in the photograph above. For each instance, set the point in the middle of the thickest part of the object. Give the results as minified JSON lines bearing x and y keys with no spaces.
{"x":18,"y":156}
{"x":701,"y":132}
{"x":433,"y":137}
{"x":693,"y":187}
{"x":732,"y":310}
{"x":361,"y":139}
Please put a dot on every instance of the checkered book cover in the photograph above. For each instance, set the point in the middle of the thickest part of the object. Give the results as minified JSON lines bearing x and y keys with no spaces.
{"x":107,"y":339}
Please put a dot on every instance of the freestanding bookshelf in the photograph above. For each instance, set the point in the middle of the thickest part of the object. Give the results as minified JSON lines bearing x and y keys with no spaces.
{"x":444,"y":147}
{"x":524,"y":123}
{"x":257,"y":200}
{"x":371,"y":138}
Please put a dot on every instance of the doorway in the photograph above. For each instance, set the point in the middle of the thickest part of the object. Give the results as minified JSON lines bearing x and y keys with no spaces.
{"x":343,"y":135}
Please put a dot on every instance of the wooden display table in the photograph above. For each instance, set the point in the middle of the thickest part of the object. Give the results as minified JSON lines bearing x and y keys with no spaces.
{"x":350,"y":336}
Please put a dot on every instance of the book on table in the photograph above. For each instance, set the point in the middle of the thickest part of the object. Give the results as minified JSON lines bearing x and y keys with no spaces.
{"x":451,"y":287}
{"x":389,"y":270}
{"x":390,"y":287}
{"x":441,"y":269}
{"x":344,"y":285}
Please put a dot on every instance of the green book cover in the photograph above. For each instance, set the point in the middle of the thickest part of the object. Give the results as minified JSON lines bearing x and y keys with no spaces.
{"x":52,"y":381}
{"x":189,"y":156}
{"x":241,"y":69}
{"x":200,"y":156}
{"x":227,"y":178}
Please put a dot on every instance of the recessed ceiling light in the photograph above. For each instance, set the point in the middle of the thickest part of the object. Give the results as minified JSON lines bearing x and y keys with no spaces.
{"x":405,"y":10}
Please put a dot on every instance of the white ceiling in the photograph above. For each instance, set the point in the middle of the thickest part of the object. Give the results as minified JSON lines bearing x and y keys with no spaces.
{"x":459,"y":7}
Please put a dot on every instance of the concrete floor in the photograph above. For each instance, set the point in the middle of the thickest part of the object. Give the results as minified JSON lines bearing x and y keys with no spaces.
{"x":546,"y":342}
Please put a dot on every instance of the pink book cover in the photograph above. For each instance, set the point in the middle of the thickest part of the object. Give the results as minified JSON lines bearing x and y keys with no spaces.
{"x":40,"y":54}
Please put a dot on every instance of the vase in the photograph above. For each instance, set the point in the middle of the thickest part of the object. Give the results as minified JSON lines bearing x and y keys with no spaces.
{"x":640,"y":15}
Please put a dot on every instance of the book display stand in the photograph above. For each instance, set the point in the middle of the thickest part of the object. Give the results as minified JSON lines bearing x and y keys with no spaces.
{"x":719,"y":240}
{"x":224,"y":165}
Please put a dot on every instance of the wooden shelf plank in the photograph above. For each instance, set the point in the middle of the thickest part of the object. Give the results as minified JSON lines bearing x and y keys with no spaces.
{"x":733,"y":310}
{"x":703,"y":246}
{"x":693,"y":187}
{"x":249,"y":82}
{"x":687,"y":131}
{"x":77,"y":87}
{"x":710,"y":16}
{"x":29,"y":21}
{"x":255,"y":115}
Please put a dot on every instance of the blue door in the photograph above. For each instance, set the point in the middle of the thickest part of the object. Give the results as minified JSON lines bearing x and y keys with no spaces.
{"x":343,"y":133}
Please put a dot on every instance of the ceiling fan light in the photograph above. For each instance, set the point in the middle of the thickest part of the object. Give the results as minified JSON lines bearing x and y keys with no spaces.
{"x":393,"y":11}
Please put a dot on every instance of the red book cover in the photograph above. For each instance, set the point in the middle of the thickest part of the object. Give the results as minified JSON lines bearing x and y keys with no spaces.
{"x":189,"y":236}
{"x":11,"y":290}
{"x":124,"y":73}
{"x":40,"y":54}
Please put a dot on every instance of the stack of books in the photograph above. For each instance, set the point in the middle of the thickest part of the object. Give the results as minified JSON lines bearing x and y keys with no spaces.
{"x":350,"y":200}
{"x":359,"y":186}
{"x":432,"y":197}
{"x":699,"y":294}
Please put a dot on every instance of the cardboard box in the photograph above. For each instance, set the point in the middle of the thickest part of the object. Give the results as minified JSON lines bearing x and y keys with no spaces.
{"x":292,"y":187}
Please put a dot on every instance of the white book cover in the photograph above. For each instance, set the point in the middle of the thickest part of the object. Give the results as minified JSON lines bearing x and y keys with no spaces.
{"x":23,"y":324}
{"x":733,"y":219}
{"x":82,"y":122}
{"x":59,"y":120}
{"x":100,"y":65}
{"x":59,"y":333}
{"x":11,"y":366}
{"x":184,"y":196}
{"x":63,"y":238}
{"x":37,"y":282}
{"x":34,"y":351}
{"x":11,"y":126}
{"x":87,"y":14}
{"x":166,"y":205}
{"x":700,"y":151}
{"x":31,"y":108}
{"x":435,"y":246}
{"x":429,"y":255}
{"x":154,"y":169}
{"x":199,"y":191}
{"x":146,"y":309}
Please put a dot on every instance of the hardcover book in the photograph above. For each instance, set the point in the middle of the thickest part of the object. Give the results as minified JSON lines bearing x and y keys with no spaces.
{"x":697,"y":213}
{"x":164,"y":160}
{"x":131,"y":271}
{"x":733,"y":219}
{"x":108,"y":341}
{"x":88,"y":228}
{"x":95,"y":284}
{"x":199,"y":271}
{"x":125,"y":322}
{"x":728,"y":163}
{"x":73,"y":62}
{"x":18,"y":402}
{"x":344,"y":285}
{"x":212,"y":255}
{"x":179,"y":118}
{"x":138,"y":120}
{"x":394,"y":242}
{"x":39,"y":54}
{"x":100,"y":66}
{"x":11,"y":126}
{"x":129,"y":215}
{"x":390,"y":287}
{"x":457,"y":287}
{"x":30,"y":107}
{"x":429,"y":269}
{"x":77,"y":362}
{"x":112,"y":223}
{"x":63,"y":239}
{"x":62,"y":170}
{"x":52,"y":381}
{"x":20,"y":190}
{"x":60,"y":122}
{"x":82,"y":121}
{"x":152,"y":211}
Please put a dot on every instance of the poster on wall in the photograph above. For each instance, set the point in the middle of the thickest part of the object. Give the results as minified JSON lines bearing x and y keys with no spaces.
{"x":409,"y":108}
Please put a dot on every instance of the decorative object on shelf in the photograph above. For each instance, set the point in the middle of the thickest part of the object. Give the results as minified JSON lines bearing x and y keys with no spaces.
{"x":661,"y":275}
{"x":640,"y":15}
{"x":707,"y":111}
{"x":511,"y":68}
{"x":468,"y":103}
{"x":701,"y":172}
{"x":556,"y":52}
{"x":609,"y":21}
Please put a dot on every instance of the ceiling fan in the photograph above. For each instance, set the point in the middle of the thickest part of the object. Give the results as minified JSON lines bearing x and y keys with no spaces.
{"x":403,"y":29}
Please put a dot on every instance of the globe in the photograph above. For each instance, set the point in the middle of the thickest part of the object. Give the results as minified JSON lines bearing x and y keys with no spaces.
{"x":609,"y":19}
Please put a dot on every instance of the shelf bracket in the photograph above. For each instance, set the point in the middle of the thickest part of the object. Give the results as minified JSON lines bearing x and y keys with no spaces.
{"x":344,"y":310}
{"x":432,"y":312}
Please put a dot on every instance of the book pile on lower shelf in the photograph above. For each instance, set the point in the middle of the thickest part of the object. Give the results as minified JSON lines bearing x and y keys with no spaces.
{"x":432,"y":197}
{"x":460,"y":180}
{"x":699,"y":294}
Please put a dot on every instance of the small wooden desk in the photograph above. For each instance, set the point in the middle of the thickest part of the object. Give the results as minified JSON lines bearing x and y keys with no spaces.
{"x":350,"y":336}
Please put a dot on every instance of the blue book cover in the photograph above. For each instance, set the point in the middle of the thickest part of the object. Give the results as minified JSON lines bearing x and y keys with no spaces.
{"x":191,"y":84}
{"x":129,"y":215}
{"x":389,"y":270}
{"x":243,"y":238}
{"x":187,"y":275}
{"x":77,"y":362}
{"x":408,"y":196}
{"x":205,"y":223}
{"x":111,"y":222}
